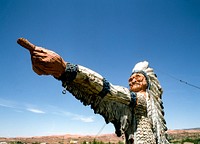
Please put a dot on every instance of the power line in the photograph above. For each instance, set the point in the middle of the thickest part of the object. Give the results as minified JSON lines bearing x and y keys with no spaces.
{"x":189,"y":84}
{"x":182,"y":81}
{"x":101,"y":130}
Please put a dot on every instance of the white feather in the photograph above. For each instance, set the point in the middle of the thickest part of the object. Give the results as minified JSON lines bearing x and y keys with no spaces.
{"x":141,"y":66}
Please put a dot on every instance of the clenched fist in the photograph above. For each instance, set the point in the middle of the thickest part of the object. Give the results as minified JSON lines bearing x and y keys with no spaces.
{"x":44,"y":62}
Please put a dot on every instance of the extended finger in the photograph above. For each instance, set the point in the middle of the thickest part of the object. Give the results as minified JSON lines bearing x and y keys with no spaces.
{"x":26,"y":44}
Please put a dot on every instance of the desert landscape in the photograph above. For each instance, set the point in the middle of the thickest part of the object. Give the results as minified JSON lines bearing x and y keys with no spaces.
{"x":64,"y":139}
{"x":186,"y":136}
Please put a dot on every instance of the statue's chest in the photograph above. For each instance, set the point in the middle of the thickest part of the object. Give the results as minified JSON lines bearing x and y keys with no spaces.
{"x":141,"y":106}
{"x":143,"y":129}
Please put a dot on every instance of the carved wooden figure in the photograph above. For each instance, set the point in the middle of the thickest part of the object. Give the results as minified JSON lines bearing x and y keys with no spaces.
{"x":136,"y":113}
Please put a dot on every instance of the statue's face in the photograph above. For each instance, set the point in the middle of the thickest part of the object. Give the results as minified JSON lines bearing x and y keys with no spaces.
{"x":137,"y":82}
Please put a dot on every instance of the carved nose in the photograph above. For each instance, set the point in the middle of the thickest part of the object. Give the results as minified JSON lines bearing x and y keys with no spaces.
{"x":134,"y":80}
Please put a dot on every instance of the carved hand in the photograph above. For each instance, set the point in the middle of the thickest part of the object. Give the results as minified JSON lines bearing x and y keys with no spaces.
{"x":44,"y":62}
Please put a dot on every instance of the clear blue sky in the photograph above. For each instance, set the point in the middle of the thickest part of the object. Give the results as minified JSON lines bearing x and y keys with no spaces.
{"x":108,"y":36}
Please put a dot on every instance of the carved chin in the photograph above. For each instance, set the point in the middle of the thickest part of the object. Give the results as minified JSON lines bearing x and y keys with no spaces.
{"x":136,"y":88}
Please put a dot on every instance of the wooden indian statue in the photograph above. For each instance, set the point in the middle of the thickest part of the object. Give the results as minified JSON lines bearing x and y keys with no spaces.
{"x":137,"y":113}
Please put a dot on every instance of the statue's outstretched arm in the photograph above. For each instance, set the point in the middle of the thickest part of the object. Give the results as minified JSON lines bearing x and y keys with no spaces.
{"x":47,"y":62}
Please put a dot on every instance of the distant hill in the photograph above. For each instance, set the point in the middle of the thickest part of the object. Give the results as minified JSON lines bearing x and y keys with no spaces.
{"x":175,"y":136}
{"x":192,"y":129}
{"x":184,"y":135}
{"x":64,"y":139}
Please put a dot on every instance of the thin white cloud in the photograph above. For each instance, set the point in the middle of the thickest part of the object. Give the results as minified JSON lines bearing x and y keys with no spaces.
{"x":35,"y":110}
{"x":19,"y":107}
{"x":7,"y":103}
{"x":85,"y":119}
{"x":77,"y":117}
{"x":73,"y":116}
